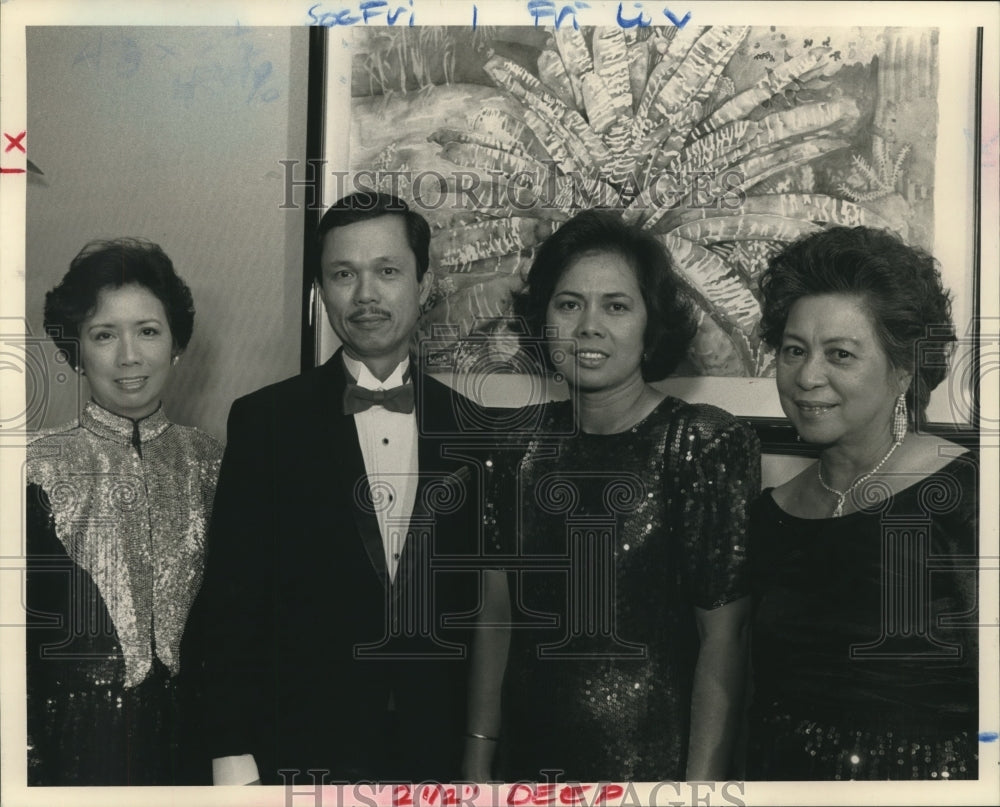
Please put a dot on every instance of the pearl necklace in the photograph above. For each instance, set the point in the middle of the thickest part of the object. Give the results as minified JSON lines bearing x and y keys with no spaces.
{"x":838,"y":511}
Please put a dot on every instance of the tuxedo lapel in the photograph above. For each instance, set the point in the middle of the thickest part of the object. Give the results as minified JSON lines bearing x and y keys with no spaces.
{"x":344,"y":449}
{"x":434,"y":424}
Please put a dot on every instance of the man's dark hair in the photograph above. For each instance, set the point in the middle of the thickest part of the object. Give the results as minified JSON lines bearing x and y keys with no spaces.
{"x":366,"y":205}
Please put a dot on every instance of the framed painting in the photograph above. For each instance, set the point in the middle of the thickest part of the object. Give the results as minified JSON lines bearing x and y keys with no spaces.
{"x":725,"y":141}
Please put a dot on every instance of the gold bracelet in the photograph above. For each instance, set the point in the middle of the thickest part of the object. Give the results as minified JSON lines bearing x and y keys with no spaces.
{"x":473,"y":735}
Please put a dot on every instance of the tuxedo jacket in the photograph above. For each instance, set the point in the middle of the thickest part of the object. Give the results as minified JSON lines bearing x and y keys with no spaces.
{"x":305,"y":649}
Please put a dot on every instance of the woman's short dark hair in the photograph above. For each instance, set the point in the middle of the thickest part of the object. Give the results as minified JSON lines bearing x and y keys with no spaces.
{"x":110,"y":265}
{"x":900,"y":285}
{"x":367,"y":205}
{"x":670,"y":322}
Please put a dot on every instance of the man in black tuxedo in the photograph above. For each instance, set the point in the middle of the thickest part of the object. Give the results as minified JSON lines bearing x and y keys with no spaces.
{"x":323,"y":619}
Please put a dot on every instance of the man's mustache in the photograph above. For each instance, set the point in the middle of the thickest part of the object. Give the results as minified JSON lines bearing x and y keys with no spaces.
{"x":369,"y":311}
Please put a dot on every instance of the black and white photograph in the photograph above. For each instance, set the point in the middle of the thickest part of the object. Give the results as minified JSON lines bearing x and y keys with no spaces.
{"x":499,"y":403}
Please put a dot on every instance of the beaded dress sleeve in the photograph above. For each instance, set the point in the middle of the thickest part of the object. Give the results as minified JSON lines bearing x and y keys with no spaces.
{"x":716,"y":465}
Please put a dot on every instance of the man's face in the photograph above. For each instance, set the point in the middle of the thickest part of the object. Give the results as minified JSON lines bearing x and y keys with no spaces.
{"x":370,"y":290}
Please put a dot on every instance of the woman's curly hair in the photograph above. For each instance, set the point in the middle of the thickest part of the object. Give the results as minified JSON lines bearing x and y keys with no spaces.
{"x":110,"y":265}
{"x":900,"y":286}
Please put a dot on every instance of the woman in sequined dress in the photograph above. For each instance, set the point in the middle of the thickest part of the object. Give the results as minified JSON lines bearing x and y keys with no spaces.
{"x":627,"y":587}
{"x":864,"y":643}
{"x":117,"y":507}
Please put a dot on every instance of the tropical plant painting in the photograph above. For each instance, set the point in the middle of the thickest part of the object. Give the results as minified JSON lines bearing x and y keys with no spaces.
{"x":726,"y":142}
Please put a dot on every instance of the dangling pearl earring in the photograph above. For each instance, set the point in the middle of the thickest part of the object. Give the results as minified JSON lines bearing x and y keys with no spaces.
{"x":175,"y":359}
{"x":899,"y":419}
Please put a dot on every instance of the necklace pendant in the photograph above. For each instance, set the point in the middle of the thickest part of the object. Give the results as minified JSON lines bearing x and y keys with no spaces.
{"x":838,"y":511}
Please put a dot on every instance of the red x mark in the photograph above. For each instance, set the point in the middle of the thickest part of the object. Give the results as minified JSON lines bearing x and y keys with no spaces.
{"x":15,"y":142}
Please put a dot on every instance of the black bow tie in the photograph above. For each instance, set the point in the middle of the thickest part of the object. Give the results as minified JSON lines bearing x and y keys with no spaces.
{"x":398,"y":399}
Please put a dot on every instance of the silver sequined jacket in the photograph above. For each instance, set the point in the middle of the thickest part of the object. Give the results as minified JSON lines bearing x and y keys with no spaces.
{"x":129,"y":502}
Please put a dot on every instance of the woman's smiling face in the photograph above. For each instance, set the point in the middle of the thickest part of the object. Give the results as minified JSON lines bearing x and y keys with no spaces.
{"x":835,"y":381}
{"x":599,"y":316}
{"x":126,"y":349}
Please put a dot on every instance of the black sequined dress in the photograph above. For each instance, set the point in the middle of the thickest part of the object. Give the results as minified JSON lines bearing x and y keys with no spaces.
{"x":116,"y":518}
{"x":864,"y":641}
{"x":619,"y":537}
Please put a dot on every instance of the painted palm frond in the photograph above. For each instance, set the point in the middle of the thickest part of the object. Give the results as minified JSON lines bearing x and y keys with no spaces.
{"x":800,"y":68}
{"x":653,"y":125}
{"x":816,"y":208}
{"x":463,"y":244}
{"x":563,"y":120}
{"x":611,"y":64}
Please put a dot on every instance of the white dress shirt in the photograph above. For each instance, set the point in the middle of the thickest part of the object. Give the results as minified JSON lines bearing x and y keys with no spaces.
{"x":389,"y":447}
